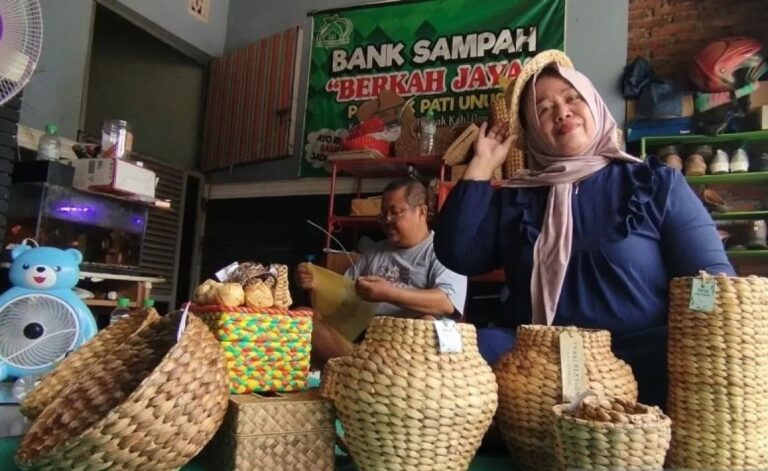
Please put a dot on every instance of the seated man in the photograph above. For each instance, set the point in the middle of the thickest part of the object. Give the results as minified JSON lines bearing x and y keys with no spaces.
{"x":400,"y":273}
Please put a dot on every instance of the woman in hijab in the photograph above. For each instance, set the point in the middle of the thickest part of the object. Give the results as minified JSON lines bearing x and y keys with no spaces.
{"x":591,"y":236}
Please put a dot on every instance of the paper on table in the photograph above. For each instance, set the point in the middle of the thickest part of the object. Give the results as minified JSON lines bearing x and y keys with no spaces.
{"x":337,"y":303}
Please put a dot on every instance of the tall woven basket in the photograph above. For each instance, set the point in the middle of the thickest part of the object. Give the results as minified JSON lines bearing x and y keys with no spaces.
{"x":152,"y":403}
{"x":530,"y":385}
{"x":406,"y":406}
{"x":718,"y":376}
{"x":267,"y":349}
{"x":610,"y":434}
{"x":82,"y":360}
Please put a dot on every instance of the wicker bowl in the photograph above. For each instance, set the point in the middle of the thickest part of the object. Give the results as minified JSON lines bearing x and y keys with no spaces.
{"x":611,"y":434}
{"x":152,"y":403}
{"x":80,"y":361}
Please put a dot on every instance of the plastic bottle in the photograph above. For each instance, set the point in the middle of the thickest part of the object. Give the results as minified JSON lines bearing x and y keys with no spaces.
{"x":428,"y":132}
{"x":149,"y":303}
{"x":49,"y":145}
{"x":120,"y":311}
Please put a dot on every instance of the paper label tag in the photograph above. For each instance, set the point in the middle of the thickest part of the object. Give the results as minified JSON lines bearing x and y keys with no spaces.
{"x":448,"y":336}
{"x":573,"y":368}
{"x":224,"y":273}
{"x":702,"y":295}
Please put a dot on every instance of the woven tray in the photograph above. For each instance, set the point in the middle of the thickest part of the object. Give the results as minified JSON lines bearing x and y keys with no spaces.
{"x":718,"y":371}
{"x":286,"y":432}
{"x":152,"y":403}
{"x":266,"y":349}
{"x":82,"y":360}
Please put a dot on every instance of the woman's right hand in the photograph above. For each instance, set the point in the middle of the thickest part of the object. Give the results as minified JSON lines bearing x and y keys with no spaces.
{"x":304,"y":276}
{"x":491,"y":150}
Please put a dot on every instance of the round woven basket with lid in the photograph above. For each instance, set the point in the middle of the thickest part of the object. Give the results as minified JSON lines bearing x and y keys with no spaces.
{"x":611,"y":434}
{"x":406,"y":406}
{"x":530,"y":385}
{"x":83,"y":359}
{"x":152,"y":403}
{"x":718,"y":372}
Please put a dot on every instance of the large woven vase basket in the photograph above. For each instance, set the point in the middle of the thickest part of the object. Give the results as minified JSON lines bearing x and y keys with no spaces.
{"x":267,"y":349}
{"x":718,"y":376}
{"x":406,"y":406}
{"x":81,"y":360}
{"x":152,"y":403}
{"x":609,"y":434}
{"x":530,"y":385}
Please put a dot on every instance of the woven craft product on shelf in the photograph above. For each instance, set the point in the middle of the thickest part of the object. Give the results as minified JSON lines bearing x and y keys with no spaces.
{"x":406,"y":406}
{"x":409,"y":142}
{"x":603,"y":433}
{"x":266,"y":349}
{"x":81,"y":360}
{"x":152,"y":403}
{"x":286,"y":432}
{"x":530,"y":385}
{"x":718,"y":371}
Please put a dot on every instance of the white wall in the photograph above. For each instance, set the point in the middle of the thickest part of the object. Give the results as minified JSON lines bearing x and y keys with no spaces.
{"x":55,"y":92}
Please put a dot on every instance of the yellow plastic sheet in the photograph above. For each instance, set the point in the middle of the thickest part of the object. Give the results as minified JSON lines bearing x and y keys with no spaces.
{"x":339,"y":306}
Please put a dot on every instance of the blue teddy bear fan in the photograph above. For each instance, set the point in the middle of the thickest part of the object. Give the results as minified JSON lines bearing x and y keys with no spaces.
{"x":41,"y":318}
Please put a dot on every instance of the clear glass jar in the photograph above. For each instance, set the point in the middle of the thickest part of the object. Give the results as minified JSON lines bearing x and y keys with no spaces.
{"x":116,"y":139}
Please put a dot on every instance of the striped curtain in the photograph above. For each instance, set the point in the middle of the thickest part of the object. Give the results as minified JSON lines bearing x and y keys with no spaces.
{"x":250,"y":114}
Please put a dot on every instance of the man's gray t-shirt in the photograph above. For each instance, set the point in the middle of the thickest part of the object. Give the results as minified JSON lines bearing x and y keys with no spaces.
{"x":414,"y":267}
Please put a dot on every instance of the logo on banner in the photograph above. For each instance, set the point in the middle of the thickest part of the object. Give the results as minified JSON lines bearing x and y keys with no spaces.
{"x":335,"y":32}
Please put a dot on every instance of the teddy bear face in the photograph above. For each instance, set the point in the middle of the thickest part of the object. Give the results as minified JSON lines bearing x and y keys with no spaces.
{"x":45,"y":267}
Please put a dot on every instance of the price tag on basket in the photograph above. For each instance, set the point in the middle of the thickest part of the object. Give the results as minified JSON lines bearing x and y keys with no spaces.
{"x":703,"y":294}
{"x":448,"y":336}
{"x":573,"y":368}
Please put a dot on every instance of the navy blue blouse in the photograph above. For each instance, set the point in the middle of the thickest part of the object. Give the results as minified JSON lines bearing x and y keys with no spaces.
{"x":635,"y":227}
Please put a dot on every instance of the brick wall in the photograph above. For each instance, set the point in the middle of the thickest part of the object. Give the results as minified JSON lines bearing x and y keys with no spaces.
{"x":670,"y":32}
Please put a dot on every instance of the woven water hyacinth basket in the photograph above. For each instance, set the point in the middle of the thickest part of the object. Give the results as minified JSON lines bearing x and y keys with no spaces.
{"x":83,"y":359}
{"x":286,"y":432}
{"x":266,"y":349}
{"x":530,"y":385}
{"x":718,"y":372}
{"x":152,"y":403}
{"x":604,"y":433}
{"x":406,"y":406}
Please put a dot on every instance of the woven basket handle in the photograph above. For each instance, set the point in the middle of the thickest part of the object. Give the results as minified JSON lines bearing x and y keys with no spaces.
{"x":330,"y":377}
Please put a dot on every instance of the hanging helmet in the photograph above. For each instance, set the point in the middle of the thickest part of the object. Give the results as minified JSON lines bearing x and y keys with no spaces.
{"x":728,"y":63}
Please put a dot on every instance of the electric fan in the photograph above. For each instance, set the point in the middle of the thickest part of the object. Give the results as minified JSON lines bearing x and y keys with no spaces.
{"x":21,"y":38}
{"x":41,"y":318}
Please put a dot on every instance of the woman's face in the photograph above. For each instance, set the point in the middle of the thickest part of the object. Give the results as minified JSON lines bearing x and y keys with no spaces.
{"x":565,"y":120}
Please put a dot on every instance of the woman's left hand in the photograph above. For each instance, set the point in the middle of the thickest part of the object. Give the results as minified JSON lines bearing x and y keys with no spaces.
{"x":373,"y":288}
{"x":491,"y":148}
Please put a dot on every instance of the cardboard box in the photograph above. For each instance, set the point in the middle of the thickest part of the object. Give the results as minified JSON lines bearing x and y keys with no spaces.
{"x":339,"y":261}
{"x":688,"y":108}
{"x":114,"y":176}
{"x":759,"y":97}
{"x":761,"y":117}
{"x":366,"y":206}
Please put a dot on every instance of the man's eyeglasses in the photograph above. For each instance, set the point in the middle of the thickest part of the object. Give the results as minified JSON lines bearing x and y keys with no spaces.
{"x":393,"y":215}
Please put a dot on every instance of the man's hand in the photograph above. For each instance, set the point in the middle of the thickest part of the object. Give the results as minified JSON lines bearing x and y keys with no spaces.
{"x":373,"y":288}
{"x":304,"y":276}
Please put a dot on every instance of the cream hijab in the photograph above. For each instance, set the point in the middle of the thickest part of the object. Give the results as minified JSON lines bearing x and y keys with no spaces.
{"x":552,"y":249}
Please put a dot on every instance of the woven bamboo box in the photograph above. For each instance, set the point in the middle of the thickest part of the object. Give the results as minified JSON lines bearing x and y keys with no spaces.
{"x":284,"y":432}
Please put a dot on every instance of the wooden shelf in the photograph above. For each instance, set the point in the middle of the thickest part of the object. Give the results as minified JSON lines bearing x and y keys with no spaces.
{"x":729,"y":178}
{"x":388,"y":167}
{"x":105,"y":303}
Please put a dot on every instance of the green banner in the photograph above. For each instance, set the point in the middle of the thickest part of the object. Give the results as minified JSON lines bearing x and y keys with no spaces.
{"x":447,"y":54}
